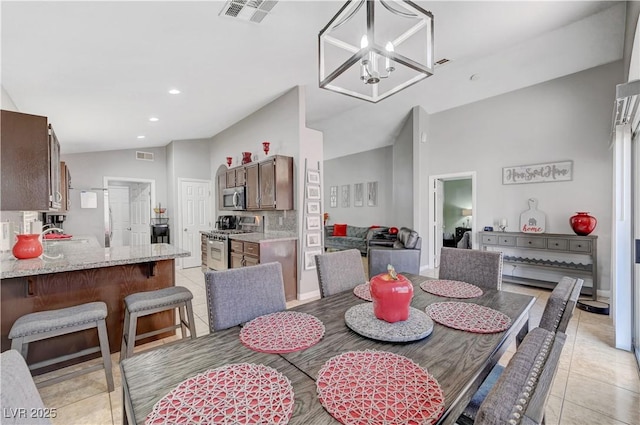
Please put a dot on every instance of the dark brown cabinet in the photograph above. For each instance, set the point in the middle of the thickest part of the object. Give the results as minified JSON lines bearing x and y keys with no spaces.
{"x":65,"y":185}
{"x":269,"y":184}
{"x":244,"y":254}
{"x":30,"y":163}
{"x":235,"y":177}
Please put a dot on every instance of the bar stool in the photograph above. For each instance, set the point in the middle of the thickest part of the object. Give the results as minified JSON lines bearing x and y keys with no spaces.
{"x":150,"y":302}
{"x":48,"y":324}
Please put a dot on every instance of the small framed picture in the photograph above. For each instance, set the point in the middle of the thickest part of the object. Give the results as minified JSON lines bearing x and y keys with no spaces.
{"x":313,"y":176}
{"x":313,"y":192}
{"x":313,"y":222}
{"x":372,"y":194}
{"x":313,"y":207}
{"x":333,"y":196}
{"x":346,"y":195}
{"x":358,"y":194}
{"x":313,"y":239}
{"x":310,"y":259}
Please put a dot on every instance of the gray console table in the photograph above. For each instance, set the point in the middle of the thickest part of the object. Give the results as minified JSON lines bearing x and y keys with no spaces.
{"x":526,"y":245}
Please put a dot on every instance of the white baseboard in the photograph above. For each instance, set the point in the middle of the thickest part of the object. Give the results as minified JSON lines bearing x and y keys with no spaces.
{"x":308,"y":295}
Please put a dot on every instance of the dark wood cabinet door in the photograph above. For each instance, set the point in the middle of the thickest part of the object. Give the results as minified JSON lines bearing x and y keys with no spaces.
{"x":267,"y":185}
{"x":24,"y":162}
{"x":237,"y":260}
{"x":231,"y":178}
{"x":251,"y":261}
{"x":252,"y":188}
{"x":240,"y":180}
{"x":222,"y":185}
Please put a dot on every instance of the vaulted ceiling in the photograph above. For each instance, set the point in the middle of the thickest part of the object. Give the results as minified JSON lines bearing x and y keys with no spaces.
{"x":100,"y":70}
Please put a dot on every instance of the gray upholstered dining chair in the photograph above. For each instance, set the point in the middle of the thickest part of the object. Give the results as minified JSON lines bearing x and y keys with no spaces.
{"x":18,"y":391}
{"x":236,"y":296}
{"x":404,"y":255}
{"x":561,"y":304}
{"x":339,"y":271}
{"x":481,"y":268}
{"x":522,"y":387}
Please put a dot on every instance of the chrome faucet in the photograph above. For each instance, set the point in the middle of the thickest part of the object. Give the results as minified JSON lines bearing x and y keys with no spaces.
{"x":51,"y":230}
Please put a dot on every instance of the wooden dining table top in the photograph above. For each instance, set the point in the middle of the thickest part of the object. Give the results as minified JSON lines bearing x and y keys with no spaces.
{"x":458,"y":360}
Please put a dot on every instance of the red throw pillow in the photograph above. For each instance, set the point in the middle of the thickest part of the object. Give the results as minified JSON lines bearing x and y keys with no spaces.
{"x":339,"y":230}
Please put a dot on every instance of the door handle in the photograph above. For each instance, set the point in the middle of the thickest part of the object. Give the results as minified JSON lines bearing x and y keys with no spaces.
{"x":128,"y":228}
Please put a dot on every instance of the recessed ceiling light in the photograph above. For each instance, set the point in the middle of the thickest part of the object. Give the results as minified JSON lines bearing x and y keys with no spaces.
{"x":140,"y":137}
{"x":174,"y":91}
{"x":154,"y":119}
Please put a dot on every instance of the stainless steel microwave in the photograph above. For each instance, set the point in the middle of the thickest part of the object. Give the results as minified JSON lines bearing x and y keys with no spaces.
{"x":234,"y":198}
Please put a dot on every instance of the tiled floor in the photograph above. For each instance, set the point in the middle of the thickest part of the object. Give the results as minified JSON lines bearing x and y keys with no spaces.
{"x":596,"y":384}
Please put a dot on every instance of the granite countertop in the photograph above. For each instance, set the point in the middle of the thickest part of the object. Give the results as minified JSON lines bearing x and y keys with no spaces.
{"x":264,"y":237}
{"x":84,"y":254}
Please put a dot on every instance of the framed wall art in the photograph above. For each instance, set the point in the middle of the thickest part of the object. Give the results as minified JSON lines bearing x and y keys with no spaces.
{"x":346,"y":195}
{"x":313,"y":207}
{"x":313,"y":239}
{"x":358,"y":194}
{"x":333,"y":196}
{"x":310,"y":259}
{"x":313,"y":192}
{"x":538,"y":173}
{"x":313,"y":177}
{"x":372,"y":194}
{"x":313,"y":222}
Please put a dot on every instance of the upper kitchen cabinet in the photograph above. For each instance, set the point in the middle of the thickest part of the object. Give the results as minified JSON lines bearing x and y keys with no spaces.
{"x":30,"y":163}
{"x":269,"y":184}
{"x":65,"y":184}
{"x":235,"y":177}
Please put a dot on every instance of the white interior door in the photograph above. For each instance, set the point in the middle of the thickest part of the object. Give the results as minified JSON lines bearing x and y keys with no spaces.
{"x":438,"y":226}
{"x":194,"y":217}
{"x":120,"y":215}
{"x":140,"y":213}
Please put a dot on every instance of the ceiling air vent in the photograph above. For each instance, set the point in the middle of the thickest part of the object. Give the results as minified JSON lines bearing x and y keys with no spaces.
{"x":248,"y":10}
{"x":144,"y":156}
{"x":441,"y":62}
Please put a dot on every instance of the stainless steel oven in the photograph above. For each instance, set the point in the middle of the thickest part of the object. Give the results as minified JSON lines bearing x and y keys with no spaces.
{"x":233,"y":198}
{"x":217,"y":254}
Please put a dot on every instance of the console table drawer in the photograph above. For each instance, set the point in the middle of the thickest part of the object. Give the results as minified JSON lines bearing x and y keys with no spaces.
{"x":506,"y":240}
{"x":580,"y":246}
{"x":524,"y":242}
{"x":557,"y":244}
{"x":489,"y":239}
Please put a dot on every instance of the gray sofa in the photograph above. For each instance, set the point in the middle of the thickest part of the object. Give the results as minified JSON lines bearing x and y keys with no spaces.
{"x":357,"y":237}
{"x":404,"y":255}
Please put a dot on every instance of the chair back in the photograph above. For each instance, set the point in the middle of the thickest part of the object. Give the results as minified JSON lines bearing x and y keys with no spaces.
{"x":520,"y":394}
{"x":236,"y":296}
{"x":561,"y":304}
{"x":481,"y":268}
{"x":18,"y":391}
{"x":339,"y":271}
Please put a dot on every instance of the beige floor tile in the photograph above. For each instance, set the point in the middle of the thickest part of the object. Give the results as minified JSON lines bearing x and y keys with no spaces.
{"x":609,"y":400}
{"x":116,"y":406}
{"x":202,"y":327}
{"x":609,"y":373}
{"x":72,"y":390}
{"x":201,"y":311}
{"x":95,"y":410}
{"x":573,"y":414}
{"x":552,"y":410}
{"x":559,"y":385}
{"x":603,"y":354}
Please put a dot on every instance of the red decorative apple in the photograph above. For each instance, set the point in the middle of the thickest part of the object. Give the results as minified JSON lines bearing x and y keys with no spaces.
{"x":391,"y":295}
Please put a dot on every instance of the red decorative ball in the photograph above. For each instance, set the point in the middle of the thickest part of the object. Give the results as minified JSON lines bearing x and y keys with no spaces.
{"x":393,"y":230}
{"x":582,"y":223}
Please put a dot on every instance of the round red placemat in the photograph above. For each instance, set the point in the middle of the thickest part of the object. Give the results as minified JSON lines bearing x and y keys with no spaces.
{"x":282,"y":332}
{"x":468,"y":317}
{"x":376,"y":387}
{"x":241,"y":393}
{"x":451,"y":288}
{"x":363,"y":291}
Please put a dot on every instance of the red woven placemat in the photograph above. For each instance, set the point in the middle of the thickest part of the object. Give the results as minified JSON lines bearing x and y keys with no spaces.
{"x":363,"y":291}
{"x":451,"y":288}
{"x":468,"y":317}
{"x":376,"y":387}
{"x":282,"y":332}
{"x":241,"y":393}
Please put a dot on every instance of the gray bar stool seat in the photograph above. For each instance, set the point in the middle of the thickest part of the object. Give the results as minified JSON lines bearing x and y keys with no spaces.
{"x":48,"y":324}
{"x":151,"y":302}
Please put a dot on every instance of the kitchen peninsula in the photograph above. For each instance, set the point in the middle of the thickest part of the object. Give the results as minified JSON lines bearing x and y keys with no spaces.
{"x":71,"y":273}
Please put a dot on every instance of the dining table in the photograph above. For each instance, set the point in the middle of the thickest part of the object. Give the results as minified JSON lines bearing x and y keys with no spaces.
{"x":459,"y":360}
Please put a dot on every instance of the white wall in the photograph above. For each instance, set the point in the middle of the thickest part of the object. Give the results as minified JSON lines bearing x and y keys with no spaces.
{"x":564,"y":119}
{"x":6,"y":102}
{"x":402,"y":196}
{"x":87,"y":173}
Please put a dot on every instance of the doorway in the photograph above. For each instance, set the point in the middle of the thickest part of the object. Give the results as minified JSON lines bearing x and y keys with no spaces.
{"x":194,"y":216}
{"x":452,"y":211}
{"x":128,"y":203}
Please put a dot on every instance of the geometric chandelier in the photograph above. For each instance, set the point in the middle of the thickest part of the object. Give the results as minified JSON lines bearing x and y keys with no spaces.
{"x":372,"y":49}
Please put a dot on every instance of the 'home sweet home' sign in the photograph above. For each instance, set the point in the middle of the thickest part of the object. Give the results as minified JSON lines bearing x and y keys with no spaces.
{"x":538,"y":173}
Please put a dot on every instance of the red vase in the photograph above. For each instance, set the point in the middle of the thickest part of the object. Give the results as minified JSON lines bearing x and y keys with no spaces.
{"x":246,"y":157}
{"x":391,"y":298}
{"x":27,"y":246}
{"x":582,"y":223}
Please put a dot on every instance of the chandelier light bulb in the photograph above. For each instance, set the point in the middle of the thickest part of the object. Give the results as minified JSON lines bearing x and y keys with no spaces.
{"x":364,"y":42}
{"x":388,"y":64}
